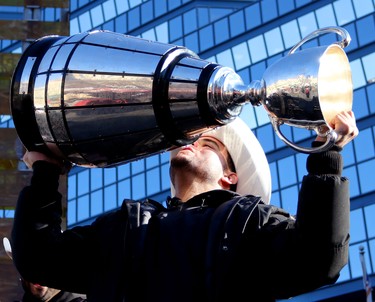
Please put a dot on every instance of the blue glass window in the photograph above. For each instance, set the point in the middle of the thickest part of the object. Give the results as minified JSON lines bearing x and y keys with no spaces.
{"x":274,"y":177}
{"x":96,"y":179}
{"x":269,"y":10}
{"x":175,"y":28}
{"x":109,"y":10}
{"x":72,"y":188}
{"x":351,"y":173}
{"x":365,"y":169}
{"x":348,"y":154}
{"x":83,"y":207}
{"x":191,"y":42}
{"x":122,"y":6}
{"x":365,"y":29}
{"x":365,"y":138}
{"x":124,"y":190}
{"x":172,"y":4}
{"x":265,"y":135}
{"x":241,"y":56}
{"x":257,"y":49}
{"x":301,"y":165}
{"x":300,"y":3}
{"x":149,"y":34}
{"x":225,"y":58}
{"x":371,"y":96}
{"x":274,"y":42}
{"x":165,"y":179}
{"x":368,"y":64}
{"x":152,"y":161}
{"x":262,"y":116}
{"x":110,"y":25}
{"x":138,"y":187}
{"x":217,"y":13}
{"x":370,"y":221}
{"x":275,"y":199}
{"x":289,"y":198}
{"x":252,"y":16}
{"x":96,"y":202}
{"x":357,"y":226}
{"x":121,"y":24}
{"x":84,"y":22}
{"x":138,"y":166}
{"x":301,"y":134}
{"x":83,"y":180}
{"x":363,"y":7}
{"x":221,"y":30}
{"x":162,"y":32}
{"x":49,"y":14}
{"x":203,"y":17}
{"x":243,"y":73}
{"x":307,"y":24}
{"x":134,"y":2}
{"x":134,"y":18}
{"x":160,"y":7}
{"x":153,"y":181}
{"x":287,"y":170}
{"x":325,"y":16}
{"x":146,"y":12}
{"x":291,"y":34}
{"x":74,"y":26}
{"x":190,"y":21}
{"x":358,"y":76}
{"x":206,"y":39}
{"x":237,"y":23}
{"x":123,"y":171}
{"x":360,"y":107}
{"x":97,"y":15}
{"x":285,"y":6}
{"x":110,"y":198}
{"x":110,"y":175}
{"x":344,"y":11}
{"x":72,"y":211}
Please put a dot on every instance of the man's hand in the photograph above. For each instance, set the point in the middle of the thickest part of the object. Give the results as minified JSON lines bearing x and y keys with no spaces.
{"x":345,"y":126}
{"x":31,"y":157}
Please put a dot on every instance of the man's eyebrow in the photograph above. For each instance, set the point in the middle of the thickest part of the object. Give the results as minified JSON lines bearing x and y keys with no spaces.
{"x":211,"y":140}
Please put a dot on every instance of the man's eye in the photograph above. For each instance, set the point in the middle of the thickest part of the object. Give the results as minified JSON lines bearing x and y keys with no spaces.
{"x":209,"y":145}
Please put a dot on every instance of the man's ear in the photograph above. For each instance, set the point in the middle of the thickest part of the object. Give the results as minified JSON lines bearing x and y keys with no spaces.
{"x":229,"y":178}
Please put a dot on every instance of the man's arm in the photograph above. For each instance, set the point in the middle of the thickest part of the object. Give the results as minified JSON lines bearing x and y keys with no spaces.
{"x":41,"y":252}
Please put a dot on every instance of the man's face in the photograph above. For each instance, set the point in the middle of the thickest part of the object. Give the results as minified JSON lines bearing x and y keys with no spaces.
{"x":206,"y":158}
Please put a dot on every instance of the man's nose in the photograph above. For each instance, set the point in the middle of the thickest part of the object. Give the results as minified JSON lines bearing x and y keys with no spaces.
{"x":196,"y":144}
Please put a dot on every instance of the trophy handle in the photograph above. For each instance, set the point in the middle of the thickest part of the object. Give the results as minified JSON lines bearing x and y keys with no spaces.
{"x":331,"y":136}
{"x":332,"y":29}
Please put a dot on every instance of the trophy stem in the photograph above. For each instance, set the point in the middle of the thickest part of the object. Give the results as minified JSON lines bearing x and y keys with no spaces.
{"x":227,"y":94}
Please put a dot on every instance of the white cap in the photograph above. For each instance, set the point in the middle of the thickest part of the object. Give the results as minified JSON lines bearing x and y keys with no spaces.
{"x":250,"y":161}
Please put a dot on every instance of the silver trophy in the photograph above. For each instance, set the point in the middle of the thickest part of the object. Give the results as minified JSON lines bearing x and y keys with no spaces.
{"x":101,"y":98}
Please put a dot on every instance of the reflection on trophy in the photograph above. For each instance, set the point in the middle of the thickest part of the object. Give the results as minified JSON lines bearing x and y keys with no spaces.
{"x":101,"y":98}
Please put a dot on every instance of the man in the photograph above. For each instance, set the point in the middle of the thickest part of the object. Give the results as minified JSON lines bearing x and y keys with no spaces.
{"x":38,"y":293}
{"x":210,"y":244}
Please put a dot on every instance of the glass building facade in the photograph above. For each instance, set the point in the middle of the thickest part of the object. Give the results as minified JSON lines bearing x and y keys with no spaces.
{"x":247,"y":36}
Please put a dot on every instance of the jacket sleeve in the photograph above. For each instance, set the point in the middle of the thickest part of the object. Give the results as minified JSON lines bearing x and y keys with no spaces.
{"x":305,"y":252}
{"x":42,"y":253}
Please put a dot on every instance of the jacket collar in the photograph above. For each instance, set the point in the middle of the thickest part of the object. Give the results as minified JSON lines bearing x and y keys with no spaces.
{"x":212,"y":198}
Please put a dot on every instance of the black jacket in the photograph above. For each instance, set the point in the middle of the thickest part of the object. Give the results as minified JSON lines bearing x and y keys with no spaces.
{"x":59,"y":297}
{"x":218,"y":246}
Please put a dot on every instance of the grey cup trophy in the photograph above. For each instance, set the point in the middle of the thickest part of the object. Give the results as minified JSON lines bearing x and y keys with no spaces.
{"x":101,"y":98}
